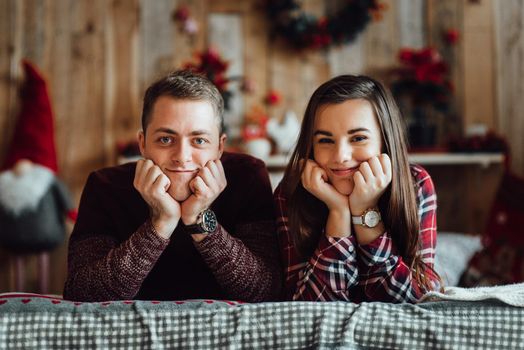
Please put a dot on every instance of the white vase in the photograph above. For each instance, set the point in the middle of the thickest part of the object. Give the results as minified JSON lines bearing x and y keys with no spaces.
{"x":259,"y":148}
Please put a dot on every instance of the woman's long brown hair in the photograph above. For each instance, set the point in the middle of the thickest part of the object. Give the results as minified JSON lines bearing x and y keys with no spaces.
{"x":398,"y":205}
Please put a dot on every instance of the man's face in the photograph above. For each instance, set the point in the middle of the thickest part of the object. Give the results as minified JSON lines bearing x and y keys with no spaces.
{"x":181,"y":137}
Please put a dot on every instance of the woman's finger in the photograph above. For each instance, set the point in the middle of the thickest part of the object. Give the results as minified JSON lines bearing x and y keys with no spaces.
{"x":366,"y":172}
{"x":376,"y":167}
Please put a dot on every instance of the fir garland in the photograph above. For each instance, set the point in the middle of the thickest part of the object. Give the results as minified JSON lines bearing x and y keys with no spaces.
{"x":303,"y":30}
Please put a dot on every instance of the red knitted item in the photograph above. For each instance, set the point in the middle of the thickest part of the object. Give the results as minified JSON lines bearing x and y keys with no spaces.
{"x":33,"y":137}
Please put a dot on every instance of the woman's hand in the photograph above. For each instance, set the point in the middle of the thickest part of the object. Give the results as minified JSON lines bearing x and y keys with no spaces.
{"x":315,"y":181}
{"x":371,"y":181}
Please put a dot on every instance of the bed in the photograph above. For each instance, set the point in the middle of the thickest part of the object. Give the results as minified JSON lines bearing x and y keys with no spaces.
{"x":459,"y":319}
{"x":35,"y":321}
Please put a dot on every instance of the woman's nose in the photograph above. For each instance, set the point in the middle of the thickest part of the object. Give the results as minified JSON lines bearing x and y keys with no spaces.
{"x":343,"y":152}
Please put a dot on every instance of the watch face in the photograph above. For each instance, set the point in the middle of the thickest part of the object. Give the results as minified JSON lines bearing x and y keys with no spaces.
{"x":372,"y":218}
{"x":209,"y":221}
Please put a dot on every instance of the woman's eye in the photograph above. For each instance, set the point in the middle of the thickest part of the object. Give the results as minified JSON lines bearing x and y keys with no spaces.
{"x":325,"y":140}
{"x":359,"y":138}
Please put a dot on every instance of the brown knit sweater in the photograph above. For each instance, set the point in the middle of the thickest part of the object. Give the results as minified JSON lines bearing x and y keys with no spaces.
{"x":115,"y":254}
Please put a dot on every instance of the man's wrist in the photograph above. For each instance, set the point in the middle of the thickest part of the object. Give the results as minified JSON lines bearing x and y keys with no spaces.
{"x":190,"y":219}
{"x":164,"y":228}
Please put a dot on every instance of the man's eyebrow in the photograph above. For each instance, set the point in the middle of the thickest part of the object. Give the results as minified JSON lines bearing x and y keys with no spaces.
{"x":351,"y":131}
{"x":166,"y":130}
{"x":200,"y":132}
{"x":173,"y":132}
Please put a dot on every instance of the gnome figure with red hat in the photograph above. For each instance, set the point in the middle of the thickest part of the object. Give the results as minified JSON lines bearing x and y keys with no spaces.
{"x":33,"y":202}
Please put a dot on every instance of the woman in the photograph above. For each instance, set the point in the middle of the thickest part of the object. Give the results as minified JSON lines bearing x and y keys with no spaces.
{"x":357,"y":222}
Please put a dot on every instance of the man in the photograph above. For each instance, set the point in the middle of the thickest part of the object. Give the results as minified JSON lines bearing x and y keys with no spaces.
{"x":188,"y":221}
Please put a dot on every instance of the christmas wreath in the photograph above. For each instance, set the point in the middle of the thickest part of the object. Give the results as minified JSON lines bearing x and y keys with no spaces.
{"x":303,"y":30}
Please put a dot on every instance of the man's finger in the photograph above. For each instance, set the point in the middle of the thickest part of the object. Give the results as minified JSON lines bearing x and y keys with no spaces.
{"x":161,"y":184}
{"x":220,"y":167}
{"x":199,"y":186}
{"x":152,"y":174}
{"x":213,"y":168}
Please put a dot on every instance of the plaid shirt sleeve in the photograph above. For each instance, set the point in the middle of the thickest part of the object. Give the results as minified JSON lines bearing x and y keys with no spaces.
{"x":384,"y":276}
{"x":329,"y":274}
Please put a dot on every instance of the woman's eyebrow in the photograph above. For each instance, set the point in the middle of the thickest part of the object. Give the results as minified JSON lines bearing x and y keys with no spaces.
{"x":322,"y":132}
{"x":352,"y":131}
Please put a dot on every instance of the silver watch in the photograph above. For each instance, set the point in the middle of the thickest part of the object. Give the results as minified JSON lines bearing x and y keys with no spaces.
{"x":206,"y":223}
{"x":370,"y":218}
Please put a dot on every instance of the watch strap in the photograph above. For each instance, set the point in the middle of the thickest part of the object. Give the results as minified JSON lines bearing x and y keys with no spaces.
{"x":358,"y":220}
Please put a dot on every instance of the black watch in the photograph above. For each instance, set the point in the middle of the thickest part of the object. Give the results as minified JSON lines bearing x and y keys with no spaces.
{"x":206,"y":223}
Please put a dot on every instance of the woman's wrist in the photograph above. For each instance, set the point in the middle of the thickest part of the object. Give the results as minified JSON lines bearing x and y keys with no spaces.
{"x":357,"y":210}
{"x":339,"y":223}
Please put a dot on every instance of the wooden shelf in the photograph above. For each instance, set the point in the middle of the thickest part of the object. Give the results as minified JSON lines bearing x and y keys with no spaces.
{"x":279,"y":162}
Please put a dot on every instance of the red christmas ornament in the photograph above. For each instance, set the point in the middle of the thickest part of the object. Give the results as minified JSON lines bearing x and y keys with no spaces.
{"x":273,"y":98}
{"x":182,"y":13}
{"x":451,"y":36}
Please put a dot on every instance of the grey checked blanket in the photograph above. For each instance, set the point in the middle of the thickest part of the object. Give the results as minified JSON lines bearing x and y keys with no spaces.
{"x":38,"y":322}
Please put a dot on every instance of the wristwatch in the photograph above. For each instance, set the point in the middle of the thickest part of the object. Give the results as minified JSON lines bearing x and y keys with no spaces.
{"x":370,"y":218}
{"x":206,"y":223}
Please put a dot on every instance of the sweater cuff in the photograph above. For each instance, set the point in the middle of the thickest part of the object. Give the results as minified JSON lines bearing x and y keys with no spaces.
{"x":214,"y":243}
{"x":150,"y":240}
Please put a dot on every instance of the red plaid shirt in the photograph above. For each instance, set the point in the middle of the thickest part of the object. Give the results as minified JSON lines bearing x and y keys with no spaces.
{"x":341,"y":269}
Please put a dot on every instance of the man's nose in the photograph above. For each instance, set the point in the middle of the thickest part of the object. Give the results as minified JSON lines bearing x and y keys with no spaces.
{"x":182,"y":153}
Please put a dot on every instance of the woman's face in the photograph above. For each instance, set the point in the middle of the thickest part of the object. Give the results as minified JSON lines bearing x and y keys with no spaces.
{"x":345,"y":135}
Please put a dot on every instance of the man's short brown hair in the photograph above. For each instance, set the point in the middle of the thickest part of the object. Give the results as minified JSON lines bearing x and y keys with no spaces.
{"x":183,"y":84}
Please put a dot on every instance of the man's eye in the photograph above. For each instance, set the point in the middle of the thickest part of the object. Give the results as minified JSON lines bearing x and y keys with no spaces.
{"x":325,"y":140}
{"x":200,"y":141}
{"x":165,"y":140}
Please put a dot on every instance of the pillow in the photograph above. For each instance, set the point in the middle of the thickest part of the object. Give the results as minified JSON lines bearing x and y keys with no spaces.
{"x":454,"y":250}
{"x":502,"y":259}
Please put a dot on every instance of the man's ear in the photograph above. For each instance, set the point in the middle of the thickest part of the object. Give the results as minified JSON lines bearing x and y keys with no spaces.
{"x":221,"y":145}
{"x":142,"y":142}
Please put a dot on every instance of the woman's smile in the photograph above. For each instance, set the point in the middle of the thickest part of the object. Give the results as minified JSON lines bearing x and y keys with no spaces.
{"x":343,"y":172}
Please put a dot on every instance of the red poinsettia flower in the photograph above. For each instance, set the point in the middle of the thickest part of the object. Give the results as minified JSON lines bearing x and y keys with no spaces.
{"x":406,"y":55}
{"x":211,"y":64}
{"x":424,"y":76}
{"x":431,"y":72}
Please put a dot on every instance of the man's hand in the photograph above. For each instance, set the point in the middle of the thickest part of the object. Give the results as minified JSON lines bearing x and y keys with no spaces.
{"x":315,"y":181}
{"x":206,"y":187}
{"x":371,"y":181}
{"x":152,"y":184}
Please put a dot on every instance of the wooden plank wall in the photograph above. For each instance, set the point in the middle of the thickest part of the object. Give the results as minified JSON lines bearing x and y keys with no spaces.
{"x":509,"y":46}
{"x":100,"y":55}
